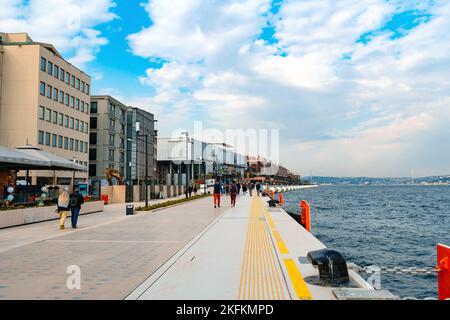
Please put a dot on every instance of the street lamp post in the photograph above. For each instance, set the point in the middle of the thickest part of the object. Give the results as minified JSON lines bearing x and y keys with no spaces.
{"x":187,"y":159}
{"x":146,"y":157}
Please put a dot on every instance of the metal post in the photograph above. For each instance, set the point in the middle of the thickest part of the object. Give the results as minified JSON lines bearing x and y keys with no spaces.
{"x":146,"y":170}
{"x":27,"y":175}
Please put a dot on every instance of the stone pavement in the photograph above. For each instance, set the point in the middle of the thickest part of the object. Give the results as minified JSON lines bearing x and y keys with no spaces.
{"x":115,"y":253}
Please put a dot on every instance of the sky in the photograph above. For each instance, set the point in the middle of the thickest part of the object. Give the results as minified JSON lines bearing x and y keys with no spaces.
{"x":355,"y":87}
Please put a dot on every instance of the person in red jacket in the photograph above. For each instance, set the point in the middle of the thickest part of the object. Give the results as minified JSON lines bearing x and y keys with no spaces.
{"x":217,"y":190}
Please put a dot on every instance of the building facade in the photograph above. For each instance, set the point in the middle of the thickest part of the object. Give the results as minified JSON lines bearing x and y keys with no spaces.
{"x":44,"y":102}
{"x":186,"y":159}
{"x":107,"y":138}
{"x":136,"y":146}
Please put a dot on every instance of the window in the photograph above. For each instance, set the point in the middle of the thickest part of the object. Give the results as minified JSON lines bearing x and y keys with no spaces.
{"x":93,"y":138}
{"x":92,"y":170}
{"x":87,"y":88}
{"x":56,"y":72}
{"x":93,"y":124}
{"x":60,"y":142}
{"x":77,"y":125}
{"x":66,"y":121}
{"x":111,"y":139}
{"x":55,"y":94}
{"x":62,"y":75}
{"x":66,"y":100}
{"x":41,"y":137}
{"x":71,"y":144}
{"x":122,"y":157}
{"x":112,"y":110}
{"x":66,"y":143}
{"x":81,"y":146}
{"x":85,"y":128}
{"x":50,"y":68}
{"x":71,"y":122}
{"x":87,"y":108}
{"x":77,"y":104}
{"x":85,"y":147}
{"x":112,"y":124}
{"x":67,"y":78}
{"x":43,"y":64}
{"x":41,"y":113}
{"x":49,"y":91}
{"x":48,"y":115}
{"x":111,"y":155}
{"x":82,"y":86}
{"x":78,"y":84}
{"x":82,"y":106}
{"x":124,"y":115}
{"x":61,"y":97}
{"x":61,"y":119}
{"x":47,"y":138}
{"x":122,"y":128}
{"x":72,"y":101}
{"x":94,"y":107}
{"x":54,"y":140}
{"x":76,"y":145}
{"x":55,"y":117}
{"x":82,"y":126}
{"x":122,"y":143}
{"x":42,"y":89}
{"x":72,"y":81}
{"x":93,"y":154}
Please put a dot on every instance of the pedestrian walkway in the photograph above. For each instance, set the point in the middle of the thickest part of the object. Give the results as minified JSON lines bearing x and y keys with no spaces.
{"x":188,"y":252}
{"x":115,"y":253}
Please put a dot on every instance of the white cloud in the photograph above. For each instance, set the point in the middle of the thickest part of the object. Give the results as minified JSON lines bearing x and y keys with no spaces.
{"x":371,"y":106}
{"x":67,"y":24}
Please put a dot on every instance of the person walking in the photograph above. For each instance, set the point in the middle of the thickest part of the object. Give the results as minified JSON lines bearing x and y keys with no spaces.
{"x":233,"y":194}
{"x":244,"y":189}
{"x":250,"y":188}
{"x":258,"y":189}
{"x":227,"y":189}
{"x":190,"y":189}
{"x":63,"y":207}
{"x":76,"y":200}
{"x":217,"y":191}
{"x":238,"y":186}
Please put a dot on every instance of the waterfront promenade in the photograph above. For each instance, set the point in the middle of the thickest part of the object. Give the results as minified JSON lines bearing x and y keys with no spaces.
{"x":189,"y":251}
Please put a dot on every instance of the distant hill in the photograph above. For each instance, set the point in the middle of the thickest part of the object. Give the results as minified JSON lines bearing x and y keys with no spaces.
{"x":433,"y":180}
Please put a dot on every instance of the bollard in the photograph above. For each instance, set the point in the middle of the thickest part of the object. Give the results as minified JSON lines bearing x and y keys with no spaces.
{"x":443,"y":269}
{"x":281,"y":200}
{"x":306,"y":215}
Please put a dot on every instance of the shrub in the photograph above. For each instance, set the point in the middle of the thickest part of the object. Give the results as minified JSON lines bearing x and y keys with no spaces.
{"x":171,"y":203}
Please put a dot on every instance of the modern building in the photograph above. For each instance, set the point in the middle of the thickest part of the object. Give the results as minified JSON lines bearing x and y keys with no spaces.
{"x":141,"y":130}
{"x":44,"y":102}
{"x":108,"y":137}
{"x":199,"y":160}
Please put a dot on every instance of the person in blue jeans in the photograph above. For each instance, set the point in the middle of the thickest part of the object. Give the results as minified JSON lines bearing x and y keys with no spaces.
{"x":76,"y":200}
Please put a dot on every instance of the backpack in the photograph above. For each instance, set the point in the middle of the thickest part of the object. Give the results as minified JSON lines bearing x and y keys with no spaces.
{"x":73,"y":201}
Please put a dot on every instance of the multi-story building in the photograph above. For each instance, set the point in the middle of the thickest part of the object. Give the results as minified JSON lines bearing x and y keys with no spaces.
{"x":108,"y":137}
{"x":136,"y":149}
{"x":199,"y":159}
{"x":44,"y":102}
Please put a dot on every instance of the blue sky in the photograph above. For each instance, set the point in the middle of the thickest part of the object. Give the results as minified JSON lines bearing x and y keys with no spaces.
{"x":355,"y":87}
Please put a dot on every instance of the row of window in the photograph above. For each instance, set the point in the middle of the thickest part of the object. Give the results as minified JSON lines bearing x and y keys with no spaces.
{"x":64,"y":76}
{"x":59,"y":96}
{"x":62,"y":120}
{"x":56,"y":141}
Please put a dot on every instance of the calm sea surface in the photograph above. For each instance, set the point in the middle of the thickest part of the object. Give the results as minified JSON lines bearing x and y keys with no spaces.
{"x":387,"y":226}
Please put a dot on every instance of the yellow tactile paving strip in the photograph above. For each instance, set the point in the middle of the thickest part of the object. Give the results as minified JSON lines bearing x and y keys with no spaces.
{"x":261,"y":278}
{"x":301,"y":289}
